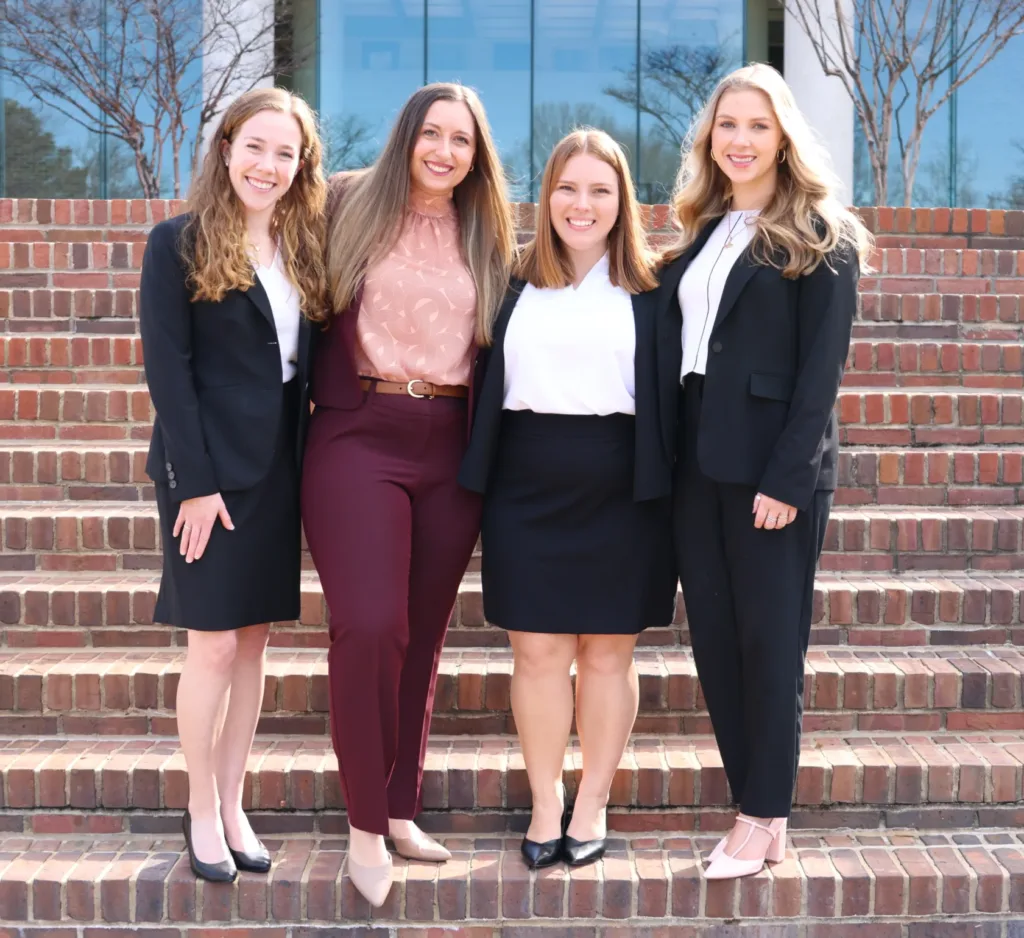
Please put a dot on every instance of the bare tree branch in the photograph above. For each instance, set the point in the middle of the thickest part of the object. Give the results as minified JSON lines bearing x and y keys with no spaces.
{"x":137,"y":73}
{"x":891,"y":57}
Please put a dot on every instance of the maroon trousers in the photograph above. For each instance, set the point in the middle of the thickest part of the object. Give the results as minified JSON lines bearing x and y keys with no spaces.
{"x":391,"y":533}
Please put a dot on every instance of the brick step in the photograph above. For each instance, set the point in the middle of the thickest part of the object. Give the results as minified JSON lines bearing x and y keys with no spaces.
{"x":115,"y":470}
{"x":127,"y":691}
{"x":889,"y":884}
{"x":102,"y":610}
{"x":109,"y":536}
{"x":932,"y":772}
{"x":949,"y":475}
{"x":919,"y":416}
{"x":883,"y":362}
{"x":64,"y":359}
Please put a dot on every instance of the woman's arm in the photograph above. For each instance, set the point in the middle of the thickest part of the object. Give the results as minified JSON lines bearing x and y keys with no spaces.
{"x":166,"y":327}
{"x":826,"y":306}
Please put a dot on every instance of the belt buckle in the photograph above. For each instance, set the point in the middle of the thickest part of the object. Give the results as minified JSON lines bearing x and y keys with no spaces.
{"x":412,"y":393}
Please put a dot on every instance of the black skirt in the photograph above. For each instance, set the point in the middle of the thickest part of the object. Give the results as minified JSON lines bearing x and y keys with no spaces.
{"x":249,"y":575}
{"x":566,"y":549}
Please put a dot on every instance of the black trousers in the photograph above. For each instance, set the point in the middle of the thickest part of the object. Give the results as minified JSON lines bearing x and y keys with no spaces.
{"x":748,"y":595}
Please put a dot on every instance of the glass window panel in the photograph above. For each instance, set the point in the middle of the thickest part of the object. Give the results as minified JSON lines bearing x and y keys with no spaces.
{"x":584,"y":52}
{"x":486,"y":44}
{"x":989,"y":136}
{"x":371,"y":55}
{"x":43,"y":154}
{"x":932,"y":181}
{"x":685,"y":49}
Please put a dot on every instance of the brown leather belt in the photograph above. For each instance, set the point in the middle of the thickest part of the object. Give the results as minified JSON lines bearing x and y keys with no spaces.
{"x":414,"y":388}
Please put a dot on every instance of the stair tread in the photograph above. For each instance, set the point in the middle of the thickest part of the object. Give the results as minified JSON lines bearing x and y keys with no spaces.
{"x":644,"y":881}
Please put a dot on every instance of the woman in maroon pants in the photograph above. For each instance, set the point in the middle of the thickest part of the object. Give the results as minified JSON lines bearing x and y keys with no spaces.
{"x":419,"y":248}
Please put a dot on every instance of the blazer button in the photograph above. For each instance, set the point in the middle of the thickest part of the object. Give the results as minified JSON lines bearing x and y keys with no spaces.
{"x":170,"y":475}
{"x":173,"y":484}
{"x":716,"y":346}
{"x":168,"y":466}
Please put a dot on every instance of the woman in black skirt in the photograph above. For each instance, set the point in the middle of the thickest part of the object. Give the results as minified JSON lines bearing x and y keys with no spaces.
{"x":571,"y":453}
{"x":222,"y":294}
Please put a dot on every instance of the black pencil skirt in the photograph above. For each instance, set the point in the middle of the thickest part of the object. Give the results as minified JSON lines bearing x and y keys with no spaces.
{"x":250,"y":575}
{"x":566,"y":549}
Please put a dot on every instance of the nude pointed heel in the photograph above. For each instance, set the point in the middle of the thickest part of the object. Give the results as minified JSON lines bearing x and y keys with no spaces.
{"x":427,"y":849}
{"x":373,"y":883}
{"x":728,"y":866}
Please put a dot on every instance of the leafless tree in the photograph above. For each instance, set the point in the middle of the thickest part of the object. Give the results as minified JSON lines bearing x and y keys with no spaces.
{"x":901,"y":60}
{"x":348,"y":142}
{"x":149,"y":73}
{"x":675,"y":81}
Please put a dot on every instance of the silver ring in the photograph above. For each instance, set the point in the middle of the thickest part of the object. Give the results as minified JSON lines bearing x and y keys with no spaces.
{"x":186,"y":526}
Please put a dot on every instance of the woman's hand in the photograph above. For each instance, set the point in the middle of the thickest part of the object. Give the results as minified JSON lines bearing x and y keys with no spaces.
{"x":196,"y":518}
{"x":770,"y":513}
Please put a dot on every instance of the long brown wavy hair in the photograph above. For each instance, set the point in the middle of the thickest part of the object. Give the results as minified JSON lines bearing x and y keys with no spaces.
{"x":215,"y":238}
{"x":805,"y":220}
{"x":368,"y":220}
{"x":546,"y":263}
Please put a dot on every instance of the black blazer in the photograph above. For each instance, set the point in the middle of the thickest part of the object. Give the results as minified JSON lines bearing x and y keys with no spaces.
{"x":214,"y":374}
{"x":652,"y":474}
{"x":776,"y":356}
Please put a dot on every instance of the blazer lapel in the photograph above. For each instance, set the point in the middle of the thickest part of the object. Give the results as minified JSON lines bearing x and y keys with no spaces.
{"x":742,"y":271}
{"x":673,"y":273}
{"x":261,"y":301}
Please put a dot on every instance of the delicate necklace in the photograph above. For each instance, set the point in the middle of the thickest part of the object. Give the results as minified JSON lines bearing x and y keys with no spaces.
{"x":711,"y":273}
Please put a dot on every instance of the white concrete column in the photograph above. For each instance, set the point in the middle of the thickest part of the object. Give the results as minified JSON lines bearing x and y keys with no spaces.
{"x":253,"y":20}
{"x":823,"y":100}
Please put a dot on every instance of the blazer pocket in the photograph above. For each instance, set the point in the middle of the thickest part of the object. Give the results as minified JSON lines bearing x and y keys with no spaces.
{"x":773,"y":387}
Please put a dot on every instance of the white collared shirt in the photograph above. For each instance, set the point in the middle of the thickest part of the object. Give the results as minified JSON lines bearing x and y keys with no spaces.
{"x":702,"y":284}
{"x":284,"y":302}
{"x":571,"y":350}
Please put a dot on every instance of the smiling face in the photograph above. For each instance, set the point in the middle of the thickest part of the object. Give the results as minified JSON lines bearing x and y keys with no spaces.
{"x":746,"y":139}
{"x":584,"y":202}
{"x":263,"y":159}
{"x":444,"y":150}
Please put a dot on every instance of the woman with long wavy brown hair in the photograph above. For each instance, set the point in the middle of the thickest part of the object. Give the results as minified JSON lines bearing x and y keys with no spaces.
{"x":224,"y":288}
{"x":419,"y":248}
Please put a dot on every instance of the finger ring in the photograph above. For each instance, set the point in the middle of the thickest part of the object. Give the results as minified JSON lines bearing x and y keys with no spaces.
{"x":186,"y":525}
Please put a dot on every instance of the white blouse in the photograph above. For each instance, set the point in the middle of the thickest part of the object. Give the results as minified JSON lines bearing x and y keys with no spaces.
{"x":571,"y":350}
{"x":702,"y":284}
{"x":284,"y":302}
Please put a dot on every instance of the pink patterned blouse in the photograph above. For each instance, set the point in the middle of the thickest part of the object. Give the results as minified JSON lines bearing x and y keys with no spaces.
{"x":418,"y":311}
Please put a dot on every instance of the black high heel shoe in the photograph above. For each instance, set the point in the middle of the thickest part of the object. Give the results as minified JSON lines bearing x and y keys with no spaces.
{"x":224,"y":871}
{"x":538,"y":855}
{"x":582,"y":852}
{"x":258,"y":861}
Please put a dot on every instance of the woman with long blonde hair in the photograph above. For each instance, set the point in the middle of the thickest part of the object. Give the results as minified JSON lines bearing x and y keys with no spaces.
{"x":419,"y":248}
{"x":223,"y":290}
{"x":759,"y":293}
{"x":571,"y":450}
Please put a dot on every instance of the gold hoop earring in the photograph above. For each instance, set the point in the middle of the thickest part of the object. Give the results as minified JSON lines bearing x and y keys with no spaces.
{"x":781,"y":156}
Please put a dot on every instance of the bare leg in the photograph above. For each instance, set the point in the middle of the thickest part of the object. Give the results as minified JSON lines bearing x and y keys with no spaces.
{"x":236,"y":736}
{"x":542,"y":706}
{"x":607,"y":698}
{"x":201,"y":707}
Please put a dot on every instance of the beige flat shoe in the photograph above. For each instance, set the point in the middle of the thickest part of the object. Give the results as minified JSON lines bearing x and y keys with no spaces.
{"x":372,"y":882}
{"x":427,"y":849}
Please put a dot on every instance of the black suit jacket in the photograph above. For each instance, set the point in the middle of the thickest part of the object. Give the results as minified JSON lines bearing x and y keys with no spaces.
{"x":214,"y":374}
{"x":652,"y":472}
{"x":776,"y":356}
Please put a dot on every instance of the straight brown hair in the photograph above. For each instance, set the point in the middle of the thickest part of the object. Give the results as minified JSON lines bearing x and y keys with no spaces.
{"x":364,"y":224}
{"x":545,"y":263}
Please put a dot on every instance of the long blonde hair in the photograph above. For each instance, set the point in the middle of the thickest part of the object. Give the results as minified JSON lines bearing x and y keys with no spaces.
{"x":215,"y":240}
{"x":368,"y":220}
{"x":546,"y":263}
{"x":804,"y":222}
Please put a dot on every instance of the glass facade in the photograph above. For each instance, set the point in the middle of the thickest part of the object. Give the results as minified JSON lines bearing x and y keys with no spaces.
{"x":52,"y":143}
{"x":636,"y":68}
